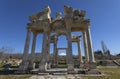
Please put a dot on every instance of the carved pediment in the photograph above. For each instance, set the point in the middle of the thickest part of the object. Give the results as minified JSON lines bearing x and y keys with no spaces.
{"x":43,"y":15}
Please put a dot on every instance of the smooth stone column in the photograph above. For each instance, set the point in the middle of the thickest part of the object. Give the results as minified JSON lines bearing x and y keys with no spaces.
{"x":85,"y":47}
{"x":32,"y":55}
{"x":70,"y":62}
{"x":24,"y":65}
{"x":79,"y":52}
{"x":90,"y":49}
{"x":43,"y":63}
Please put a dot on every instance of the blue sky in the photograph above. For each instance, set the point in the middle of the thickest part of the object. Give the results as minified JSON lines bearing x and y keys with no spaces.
{"x":104,"y":15}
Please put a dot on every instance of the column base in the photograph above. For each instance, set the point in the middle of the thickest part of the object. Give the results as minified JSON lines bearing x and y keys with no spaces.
{"x":31,"y":66}
{"x":70,"y":68}
{"x":81,"y":65}
{"x":93,"y":68}
{"x":23,"y":67}
{"x":49,"y":66}
{"x":20,"y":72}
{"x":93,"y":71}
{"x":43,"y":67}
{"x":54,"y":65}
{"x":92,"y":65}
{"x":72,"y":72}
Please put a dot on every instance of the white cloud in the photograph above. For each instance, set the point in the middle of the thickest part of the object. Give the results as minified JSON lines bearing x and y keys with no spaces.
{"x":62,"y":53}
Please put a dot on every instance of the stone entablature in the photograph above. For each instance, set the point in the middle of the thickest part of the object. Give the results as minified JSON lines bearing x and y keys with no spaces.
{"x":79,"y":22}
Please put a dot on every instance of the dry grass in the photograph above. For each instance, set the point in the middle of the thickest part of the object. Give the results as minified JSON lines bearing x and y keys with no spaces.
{"x":14,"y":76}
{"x":110,"y":73}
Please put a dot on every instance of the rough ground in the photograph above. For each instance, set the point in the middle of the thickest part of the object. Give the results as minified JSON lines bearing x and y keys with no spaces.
{"x":56,"y":77}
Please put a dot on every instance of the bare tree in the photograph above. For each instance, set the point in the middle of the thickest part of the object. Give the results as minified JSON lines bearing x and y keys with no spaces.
{"x":5,"y":52}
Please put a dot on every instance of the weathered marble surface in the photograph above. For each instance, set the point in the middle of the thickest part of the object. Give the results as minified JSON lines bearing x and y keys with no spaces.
{"x":73,"y":21}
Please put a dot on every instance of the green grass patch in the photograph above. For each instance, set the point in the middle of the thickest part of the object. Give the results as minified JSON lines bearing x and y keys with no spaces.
{"x":62,"y":66}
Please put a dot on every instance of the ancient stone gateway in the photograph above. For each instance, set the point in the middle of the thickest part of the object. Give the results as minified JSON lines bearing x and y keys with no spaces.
{"x":41,"y":23}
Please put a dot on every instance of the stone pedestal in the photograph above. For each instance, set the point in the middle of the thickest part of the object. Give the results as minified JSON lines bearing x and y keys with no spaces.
{"x":93,"y":71}
{"x":92,"y":65}
{"x":23,"y":67}
{"x":49,"y":65}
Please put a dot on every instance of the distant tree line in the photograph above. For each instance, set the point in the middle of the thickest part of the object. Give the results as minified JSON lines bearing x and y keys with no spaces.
{"x":105,"y":55}
{"x":6,"y":53}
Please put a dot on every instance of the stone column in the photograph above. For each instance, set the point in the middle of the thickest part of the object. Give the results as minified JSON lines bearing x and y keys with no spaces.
{"x":70,"y":62}
{"x":48,"y":48}
{"x":48,"y":53}
{"x":90,"y":49}
{"x":43,"y":63}
{"x":55,"y":53}
{"x":79,"y":52}
{"x":32,"y":55}
{"x":85,"y":47}
{"x":24,"y":65}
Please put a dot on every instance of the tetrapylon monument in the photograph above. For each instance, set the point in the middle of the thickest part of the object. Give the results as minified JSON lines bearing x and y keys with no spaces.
{"x":41,"y":23}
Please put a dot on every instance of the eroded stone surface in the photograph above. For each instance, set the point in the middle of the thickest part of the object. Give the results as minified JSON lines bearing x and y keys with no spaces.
{"x":56,"y":77}
{"x":73,"y":21}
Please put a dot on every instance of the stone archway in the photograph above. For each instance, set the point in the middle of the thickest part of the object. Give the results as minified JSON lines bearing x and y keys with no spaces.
{"x":62,"y":60}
